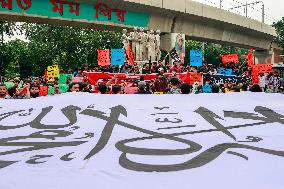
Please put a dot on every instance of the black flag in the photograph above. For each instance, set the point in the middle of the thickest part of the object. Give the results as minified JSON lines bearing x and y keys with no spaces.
{"x":174,"y":55}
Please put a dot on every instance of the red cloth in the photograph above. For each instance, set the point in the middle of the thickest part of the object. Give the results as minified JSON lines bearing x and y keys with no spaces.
{"x":230,"y":58}
{"x":93,"y":77}
{"x":129,"y":54}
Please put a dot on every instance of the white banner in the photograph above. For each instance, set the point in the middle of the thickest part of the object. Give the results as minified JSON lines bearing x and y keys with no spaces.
{"x":224,"y":141}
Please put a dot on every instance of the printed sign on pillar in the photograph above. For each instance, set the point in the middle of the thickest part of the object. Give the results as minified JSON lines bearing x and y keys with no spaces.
{"x":103,"y":57}
{"x":174,"y":55}
{"x":117,"y":57}
{"x":195,"y":58}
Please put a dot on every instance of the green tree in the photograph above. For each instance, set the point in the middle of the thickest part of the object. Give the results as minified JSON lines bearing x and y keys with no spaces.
{"x":279,"y":26}
{"x":70,"y":47}
{"x":212,"y":52}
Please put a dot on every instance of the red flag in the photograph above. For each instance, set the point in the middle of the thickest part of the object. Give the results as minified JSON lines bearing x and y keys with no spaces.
{"x":130,"y":55}
{"x":250,"y":58}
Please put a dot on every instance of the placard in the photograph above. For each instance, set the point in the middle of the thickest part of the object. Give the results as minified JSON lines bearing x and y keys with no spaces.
{"x":103,"y":57}
{"x":230,"y":58}
{"x":117,"y":57}
{"x":52,"y":72}
{"x":195,"y":58}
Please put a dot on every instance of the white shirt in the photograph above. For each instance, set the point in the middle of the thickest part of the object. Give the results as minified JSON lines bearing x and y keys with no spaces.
{"x":262,"y":81}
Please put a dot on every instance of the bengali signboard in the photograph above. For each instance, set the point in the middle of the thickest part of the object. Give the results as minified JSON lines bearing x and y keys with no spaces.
{"x":80,"y":140}
{"x":73,"y":10}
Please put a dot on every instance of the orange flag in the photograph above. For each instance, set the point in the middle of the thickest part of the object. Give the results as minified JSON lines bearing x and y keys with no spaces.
{"x":130,"y":55}
{"x":250,"y":58}
{"x":45,"y":75}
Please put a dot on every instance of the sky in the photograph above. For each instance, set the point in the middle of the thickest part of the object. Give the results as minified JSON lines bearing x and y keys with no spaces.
{"x":274,"y":10}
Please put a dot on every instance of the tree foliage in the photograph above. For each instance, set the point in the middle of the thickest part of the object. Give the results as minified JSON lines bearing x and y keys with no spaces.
{"x":72,"y":47}
{"x":212,"y":52}
{"x":279,"y":26}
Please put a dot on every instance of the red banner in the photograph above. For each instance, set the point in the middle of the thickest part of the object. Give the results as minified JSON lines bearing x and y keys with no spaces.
{"x":260,"y":68}
{"x":230,"y":58}
{"x":94,"y":77}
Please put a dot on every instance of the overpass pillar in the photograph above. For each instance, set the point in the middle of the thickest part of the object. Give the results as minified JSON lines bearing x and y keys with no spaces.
{"x":173,"y":40}
{"x":263,"y":56}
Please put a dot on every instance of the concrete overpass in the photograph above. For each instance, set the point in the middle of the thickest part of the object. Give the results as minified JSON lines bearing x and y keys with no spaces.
{"x":197,"y":21}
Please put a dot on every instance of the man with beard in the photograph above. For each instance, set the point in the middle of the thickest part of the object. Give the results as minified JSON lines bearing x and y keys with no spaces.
{"x":161,"y":83}
{"x":34,"y":91}
{"x":3,"y":91}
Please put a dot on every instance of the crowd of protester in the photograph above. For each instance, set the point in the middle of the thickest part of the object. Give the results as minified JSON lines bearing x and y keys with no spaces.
{"x":30,"y":87}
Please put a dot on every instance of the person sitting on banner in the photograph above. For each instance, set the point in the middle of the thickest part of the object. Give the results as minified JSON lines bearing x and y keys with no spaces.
{"x":74,"y":87}
{"x":174,"y":89}
{"x":185,"y":88}
{"x":142,"y":88}
{"x":3,"y":91}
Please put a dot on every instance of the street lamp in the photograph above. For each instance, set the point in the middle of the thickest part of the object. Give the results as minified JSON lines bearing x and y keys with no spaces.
{"x":246,"y":8}
{"x":221,"y":1}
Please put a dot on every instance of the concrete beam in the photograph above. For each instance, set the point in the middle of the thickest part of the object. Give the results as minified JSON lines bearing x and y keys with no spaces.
{"x":196,"y":20}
